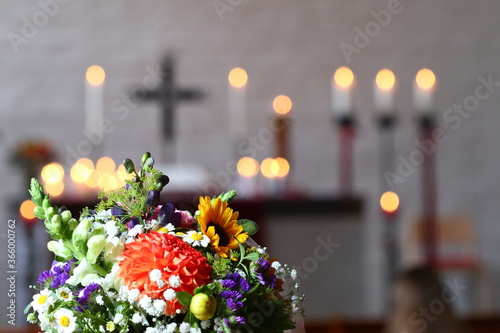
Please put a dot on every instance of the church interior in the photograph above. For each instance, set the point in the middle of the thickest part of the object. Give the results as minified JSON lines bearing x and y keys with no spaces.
{"x":360,"y":135}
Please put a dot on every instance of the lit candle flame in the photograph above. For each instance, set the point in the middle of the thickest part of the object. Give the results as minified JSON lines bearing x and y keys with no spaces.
{"x":385,"y":79}
{"x":95,"y":75}
{"x":238,"y":77}
{"x":282,"y":104}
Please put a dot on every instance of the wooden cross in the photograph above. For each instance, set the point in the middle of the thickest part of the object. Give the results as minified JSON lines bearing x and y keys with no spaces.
{"x":167,"y":94}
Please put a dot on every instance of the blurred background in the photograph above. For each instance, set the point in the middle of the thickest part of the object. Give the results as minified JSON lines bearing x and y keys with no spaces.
{"x":166,"y":90}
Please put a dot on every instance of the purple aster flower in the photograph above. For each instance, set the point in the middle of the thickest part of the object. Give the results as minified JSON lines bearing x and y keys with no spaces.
{"x":231,"y":294}
{"x":244,"y":285}
{"x":84,"y":295}
{"x":226,"y":322}
{"x":229,"y":284}
{"x":59,"y":280}
{"x":44,"y":277}
{"x":239,"y":319}
{"x":264,"y":264}
{"x":234,"y":305}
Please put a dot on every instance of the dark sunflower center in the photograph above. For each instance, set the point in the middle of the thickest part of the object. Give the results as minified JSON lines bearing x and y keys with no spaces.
{"x":223,"y":237}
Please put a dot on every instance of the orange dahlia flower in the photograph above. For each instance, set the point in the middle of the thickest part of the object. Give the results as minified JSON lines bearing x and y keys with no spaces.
{"x":172,"y":257}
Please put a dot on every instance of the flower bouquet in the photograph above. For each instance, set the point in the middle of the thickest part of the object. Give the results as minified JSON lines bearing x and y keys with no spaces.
{"x":133,"y":265}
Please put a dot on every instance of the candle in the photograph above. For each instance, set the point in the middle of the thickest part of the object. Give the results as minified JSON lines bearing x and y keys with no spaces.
{"x":94,"y":97}
{"x":247,"y":168}
{"x":423,"y":91}
{"x":282,"y":106}
{"x":237,"y":104}
{"x":342,"y":83}
{"x":383,"y":93}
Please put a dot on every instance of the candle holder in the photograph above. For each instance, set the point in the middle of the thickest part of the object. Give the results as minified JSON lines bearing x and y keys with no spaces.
{"x":346,"y":131}
{"x":426,"y":122}
{"x":386,"y":123}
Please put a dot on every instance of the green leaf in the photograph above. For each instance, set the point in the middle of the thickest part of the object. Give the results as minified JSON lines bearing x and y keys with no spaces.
{"x":249,"y":226}
{"x":254,"y":256}
{"x":27,"y":308}
{"x":208,"y":289}
{"x":184,"y":298}
{"x":227,"y":196}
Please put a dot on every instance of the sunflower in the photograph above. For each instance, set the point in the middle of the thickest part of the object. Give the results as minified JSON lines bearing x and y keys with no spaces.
{"x":220,"y":224}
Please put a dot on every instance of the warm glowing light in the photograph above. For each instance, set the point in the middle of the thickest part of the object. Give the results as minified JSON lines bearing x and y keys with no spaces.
{"x":248,"y":167}
{"x":343,"y":77}
{"x":107,"y":182}
{"x":282,"y":104}
{"x":81,"y":170}
{"x":105,"y":165}
{"x":93,"y":180}
{"x":122,"y":174}
{"x":425,"y":79}
{"x":389,"y":202}
{"x":267,"y":166}
{"x":385,"y":79}
{"x":238,"y":77}
{"x":52,"y":173}
{"x":95,"y":75}
{"x":283,"y":167}
{"x":27,"y":210}
{"x":54,"y":189}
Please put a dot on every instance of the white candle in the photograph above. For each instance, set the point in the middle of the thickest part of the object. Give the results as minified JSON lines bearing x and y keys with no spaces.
{"x":383,"y":92}
{"x":94,"y":97}
{"x":237,"y":104}
{"x":248,"y":169}
{"x":342,"y":83}
{"x":423,"y":91}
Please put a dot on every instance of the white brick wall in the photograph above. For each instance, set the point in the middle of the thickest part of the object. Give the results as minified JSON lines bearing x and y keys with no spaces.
{"x":289,"y":47}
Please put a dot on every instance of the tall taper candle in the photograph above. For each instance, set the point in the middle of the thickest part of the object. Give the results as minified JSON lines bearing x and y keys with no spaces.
{"x":383,"y":91}
{"x":94,"y":83}
{"x":282,"y":106}
{"x":423,"y":91}
{"x":237,"y":105}
{"x":342,"y":83}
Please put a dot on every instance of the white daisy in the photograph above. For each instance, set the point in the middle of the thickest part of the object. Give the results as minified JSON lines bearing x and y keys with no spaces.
{"x":196,"y":238}
{"x":42,"y":301}
{"x":64,"y":293}
{"x":168,"y":229}
{"x":66,"y":321}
